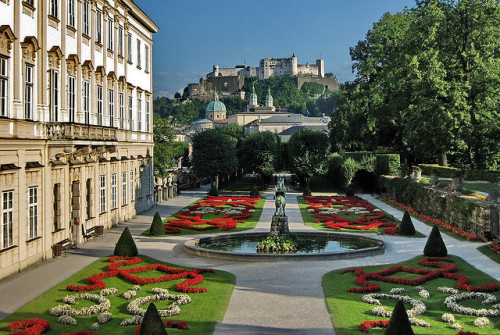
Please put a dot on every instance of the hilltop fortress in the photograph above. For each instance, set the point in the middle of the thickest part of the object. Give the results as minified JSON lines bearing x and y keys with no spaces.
{"x":230,"y":81}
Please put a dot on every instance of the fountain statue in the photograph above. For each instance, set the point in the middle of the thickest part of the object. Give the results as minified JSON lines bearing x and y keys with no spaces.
{"x":279,"y":239}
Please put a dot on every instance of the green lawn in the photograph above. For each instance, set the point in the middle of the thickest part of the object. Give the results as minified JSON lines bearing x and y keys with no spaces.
{"x":481,"y":187}
{"x":201,"y":315}
{"x":310,"y":220}
{"x":488,"y":252}
{"x":348,"y":310}
{"x":247,"y":225}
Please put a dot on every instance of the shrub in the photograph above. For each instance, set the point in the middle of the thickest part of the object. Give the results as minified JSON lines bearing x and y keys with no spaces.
{"x":157,"y":227}
{"x":399,"y":323}
{"x":213,"y":191}
{"x":254,"y":191}
{"x":126,"y":246}
{"x":406,"y":227}
{"x":152,"y":324}
{"x":469,"y":174}
{"x":435,"y":246}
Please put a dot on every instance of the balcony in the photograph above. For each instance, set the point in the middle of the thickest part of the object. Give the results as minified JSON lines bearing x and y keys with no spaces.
{"x":58,"y":131}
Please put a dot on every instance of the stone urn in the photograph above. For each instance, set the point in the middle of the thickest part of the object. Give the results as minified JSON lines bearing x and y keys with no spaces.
{"x":456,"y":184}
{"x":434,"y":180}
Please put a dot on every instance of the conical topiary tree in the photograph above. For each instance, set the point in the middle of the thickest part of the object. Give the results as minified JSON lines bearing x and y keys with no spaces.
{"x":399,"y":323}
{"x":126,"y":246}
{"x":406,"y":227}
{"x":254,"y":191}
{"x":435,"y":246}
{"x":157,"y":227}
{"x":152,"y":324}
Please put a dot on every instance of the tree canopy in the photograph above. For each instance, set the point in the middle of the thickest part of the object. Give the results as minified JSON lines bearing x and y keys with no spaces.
{"x":427,"y":85}
{"x":259,"y":152}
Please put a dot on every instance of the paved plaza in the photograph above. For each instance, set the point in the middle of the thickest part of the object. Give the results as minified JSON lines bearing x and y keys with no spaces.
{"x":283,"y":297}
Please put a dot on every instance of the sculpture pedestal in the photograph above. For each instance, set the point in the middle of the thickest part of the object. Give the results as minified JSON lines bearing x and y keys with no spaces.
{"x":279,"y":226}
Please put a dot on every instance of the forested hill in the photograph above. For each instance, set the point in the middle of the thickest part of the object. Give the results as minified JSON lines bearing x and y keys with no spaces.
{"x":311,"y":97}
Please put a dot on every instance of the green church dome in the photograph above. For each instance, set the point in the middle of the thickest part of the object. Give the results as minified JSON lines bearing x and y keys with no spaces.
{"x":215,"y":105}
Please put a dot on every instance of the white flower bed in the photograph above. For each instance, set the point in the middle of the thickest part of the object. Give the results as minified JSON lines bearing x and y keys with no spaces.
{"x":424,"y":294}
{"x":448,"y":318}
{"x":109,"y":291}
{"x":67,"y":320}
{"x":481,"y":322}
{"x":419,"y":307}
{"x":451,"y":302}
{"x":136,"y":288}
{"x":94,"y":326}
{"x":134,"y":307}
{"x":104,"y":317}
{"x":456,"y":326}
{"x":129,"y":294}
{"x":449,"y":290}
{"x":103,"y":305}
{"x":397,"y":290}
{"x":136,"y":320}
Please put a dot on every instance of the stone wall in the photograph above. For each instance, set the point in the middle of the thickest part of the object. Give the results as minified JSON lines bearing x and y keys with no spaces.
{"x":331,"y":82}
{"x":468,"y":213}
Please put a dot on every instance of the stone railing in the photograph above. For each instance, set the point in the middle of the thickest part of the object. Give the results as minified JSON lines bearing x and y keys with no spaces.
{"x":71,"y":131}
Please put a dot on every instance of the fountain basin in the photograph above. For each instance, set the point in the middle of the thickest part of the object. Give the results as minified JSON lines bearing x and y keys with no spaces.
{"x":313,"y":246}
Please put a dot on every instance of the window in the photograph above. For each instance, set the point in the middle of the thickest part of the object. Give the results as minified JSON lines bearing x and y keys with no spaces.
{"x":86,"y":21}
{"x":28,"y":92}
{"x":99,"y":105}
{"x":139,"y":116}
{"x":103,"y":193}
{"x":29,"y":2}
{"x":88,"y":198}
{"x":146,"y":57}
{"x":129,"y":47}
{"x":114,"y":194}
{"x":7,"y":212}
{"x":147,"y":117}
{"x":56,"y":192}
{"x":131,"y":185}
{"x":120,"y":41}
{"x":4,"y":87}
{"x":53,"y":8}
{"x":138,"y":53}
{"x":71,"y":98}
{"x":130,"y":114}
{"x":124,"y":187}
{"x":99,"y":27}
{"x":71,"y":13}
{"x":54,"y":96}
{"x":33,"y":212}
{"x":111,"y":100}
{"x":122,"y":110}
{"x":86,"y":101}
{"x":110,"y":33}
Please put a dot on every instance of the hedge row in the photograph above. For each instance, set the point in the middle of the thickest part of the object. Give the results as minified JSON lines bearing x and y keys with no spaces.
{"x":385,"y":164}
{"x":449,"y":172}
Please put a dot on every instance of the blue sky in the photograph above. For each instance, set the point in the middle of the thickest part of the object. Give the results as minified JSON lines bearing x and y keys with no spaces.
{"x":194,"y":35}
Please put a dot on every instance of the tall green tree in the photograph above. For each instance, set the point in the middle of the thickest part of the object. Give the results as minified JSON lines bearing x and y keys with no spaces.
{"x":214,"y":154}
{"x":259,"y":152}
{"x":308,"y":150}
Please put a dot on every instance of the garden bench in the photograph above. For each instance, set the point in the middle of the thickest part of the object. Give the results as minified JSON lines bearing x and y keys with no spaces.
{"x":88,"y":233}
{"x":63,"y":246}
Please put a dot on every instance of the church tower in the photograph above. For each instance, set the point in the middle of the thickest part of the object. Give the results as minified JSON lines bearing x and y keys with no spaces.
{"x":253,"y":99}
{"x":269,"y":98}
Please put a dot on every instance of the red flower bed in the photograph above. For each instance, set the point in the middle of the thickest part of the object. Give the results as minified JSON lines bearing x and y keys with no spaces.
{"x":431,"y":220}
{"x":33,"y":326}
{"x":81,"y":332}
{"x":194,"y":221}
{"x":168,"y":324}
{"x":445,"y":270}
{"x":495,"y":247}
{"x":194,"y":277}
{"x":367,"y":325}
{"x":367,"y":221}
{"x":467,"y":333}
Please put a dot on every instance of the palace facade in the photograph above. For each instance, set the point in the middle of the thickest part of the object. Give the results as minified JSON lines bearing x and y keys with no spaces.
{"x":76,"y":138}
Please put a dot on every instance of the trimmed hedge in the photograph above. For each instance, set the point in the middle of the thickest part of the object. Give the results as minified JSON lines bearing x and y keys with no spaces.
{"x":435,"y":246}
{"x":470,"y":174}
{"x":126,"y":246}
{"x":385,"y":164}
{"x":399,"y":323}
{"x":406,"y":227}
{"x":157,"y":228}
{"x":152,"y":324}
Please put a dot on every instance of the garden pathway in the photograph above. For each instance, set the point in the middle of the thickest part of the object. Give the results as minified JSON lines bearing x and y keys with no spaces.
{"x":282,"y":297}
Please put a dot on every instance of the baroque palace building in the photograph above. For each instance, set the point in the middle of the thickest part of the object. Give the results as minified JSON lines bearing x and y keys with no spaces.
{"x":76,"y":138}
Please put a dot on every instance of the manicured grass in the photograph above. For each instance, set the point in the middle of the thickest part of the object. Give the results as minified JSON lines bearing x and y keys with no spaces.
{"x":488,"y":252}
{"x":310,"y":220}
{"x":348,"y":310}
{"x":201,"y":315}
{"x":247,"y":225}
{"x":482,"y":186}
